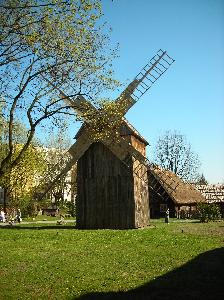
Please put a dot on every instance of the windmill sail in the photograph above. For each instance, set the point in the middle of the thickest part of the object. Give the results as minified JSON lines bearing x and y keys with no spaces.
{"x":124,"y":150}
{"x":75,"y":151}
{"x":79,"y":104}
{"x":148,"y":75}
{"x":156,"y":170}
{"x":151,"y":72}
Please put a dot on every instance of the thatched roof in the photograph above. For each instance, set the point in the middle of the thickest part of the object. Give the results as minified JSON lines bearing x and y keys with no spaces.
{"x":213,"y":193}
{"x":179,"y":191}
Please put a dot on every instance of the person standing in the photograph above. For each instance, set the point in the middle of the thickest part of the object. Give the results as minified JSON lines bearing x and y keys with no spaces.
{"x":2,"y":216}
{"x":19,"y":216}
{"x":167,"y":216}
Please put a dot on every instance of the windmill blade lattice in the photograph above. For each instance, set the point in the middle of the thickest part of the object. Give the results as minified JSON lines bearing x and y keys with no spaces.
{"x":148,"y":75}
{"x":151,"y":72}
{"x":162,"y":183}
{"x":160,"y":177}
{"x":141,"y":161}
{"x":45,"y":185}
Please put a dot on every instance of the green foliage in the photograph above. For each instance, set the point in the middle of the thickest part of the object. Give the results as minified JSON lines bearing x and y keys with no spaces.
{"x":30,"y":210}
{"x":64,"y":42}
{"x":71,"y":208}
{"x":23,"y":178}
{"x":208,"y":212}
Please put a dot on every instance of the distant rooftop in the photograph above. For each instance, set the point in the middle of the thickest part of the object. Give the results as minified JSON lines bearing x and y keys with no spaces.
{"x":213,"y":193}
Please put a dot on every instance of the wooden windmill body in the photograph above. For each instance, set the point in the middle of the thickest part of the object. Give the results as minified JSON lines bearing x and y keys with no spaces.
{"x":110,"y":194}
{"x":112,"y":173}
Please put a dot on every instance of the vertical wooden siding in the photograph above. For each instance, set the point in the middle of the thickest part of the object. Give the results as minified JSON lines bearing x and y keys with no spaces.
{"x":110,"y":195}
{"x":105,"y":190}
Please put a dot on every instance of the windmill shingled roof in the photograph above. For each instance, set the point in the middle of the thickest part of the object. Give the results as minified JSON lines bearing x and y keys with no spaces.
{"x":126,"y":129}
{"x":134,"y":132}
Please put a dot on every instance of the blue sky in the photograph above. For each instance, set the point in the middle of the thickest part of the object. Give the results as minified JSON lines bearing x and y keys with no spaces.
{"x":189,"y":97}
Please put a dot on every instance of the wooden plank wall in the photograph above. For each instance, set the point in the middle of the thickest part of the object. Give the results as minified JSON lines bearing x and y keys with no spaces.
{"x":141,"y":197}
{"x":109,"y":195}
{"x":141,"y":194}
{"x":105,"y":191}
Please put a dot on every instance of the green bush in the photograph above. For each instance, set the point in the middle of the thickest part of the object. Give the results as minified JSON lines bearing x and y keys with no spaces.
{"x":71,"y":208}
{"x":208,"y":212}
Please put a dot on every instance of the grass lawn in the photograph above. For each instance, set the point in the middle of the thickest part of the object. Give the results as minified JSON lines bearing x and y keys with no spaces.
{"x":181,"y":260}
{"x":44,"y":218}
{"x":41,"y":218}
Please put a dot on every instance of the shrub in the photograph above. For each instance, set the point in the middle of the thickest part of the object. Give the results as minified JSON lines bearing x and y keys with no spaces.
{"x":208,"y":212}
{"x":71,"y":208}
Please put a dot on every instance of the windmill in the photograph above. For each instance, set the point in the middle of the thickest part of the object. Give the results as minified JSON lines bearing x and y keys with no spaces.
{"x":131,"y":163}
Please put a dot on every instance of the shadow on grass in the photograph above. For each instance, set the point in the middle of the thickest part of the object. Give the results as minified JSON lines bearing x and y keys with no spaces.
{"x":200,"y":278}
{"x":35,"y":227}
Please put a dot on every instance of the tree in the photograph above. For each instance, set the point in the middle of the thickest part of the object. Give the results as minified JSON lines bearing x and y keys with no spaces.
{"x":208,"y":212}
{"x":202,"y":180}
{"x":22,"y":180}
{"x":174,"y":153}
{"x":19,"y":182}
{"x":57,"y":41}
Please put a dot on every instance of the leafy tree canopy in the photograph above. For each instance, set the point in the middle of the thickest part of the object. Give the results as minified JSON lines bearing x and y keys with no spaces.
{"x":47,"y":47}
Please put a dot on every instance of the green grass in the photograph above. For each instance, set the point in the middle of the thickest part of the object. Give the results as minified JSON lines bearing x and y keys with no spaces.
{"x":44,"y":218}
{"x":59,"y":262}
